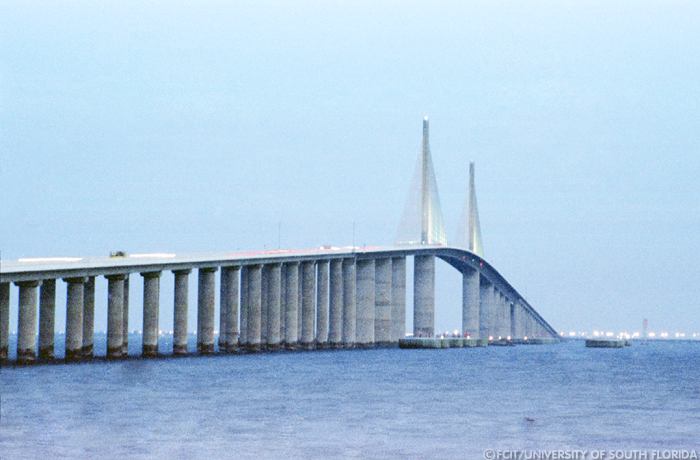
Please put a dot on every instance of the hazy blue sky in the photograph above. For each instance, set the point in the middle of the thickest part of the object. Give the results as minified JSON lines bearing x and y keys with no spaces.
{"x":199,"y":126}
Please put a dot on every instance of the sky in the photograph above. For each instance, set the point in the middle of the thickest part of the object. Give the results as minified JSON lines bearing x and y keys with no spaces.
{"x":207,"y":126}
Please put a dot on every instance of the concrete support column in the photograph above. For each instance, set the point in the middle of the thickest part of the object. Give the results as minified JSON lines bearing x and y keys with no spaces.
{"x":349,"y":303}
{"x":506,"y":324}
{"x":74,"y":318}
{"x":254,"y":307}
{"x":398,"y":298}
{"x":115,"y":315}
{"x":499,"y":305}
{"x":228,"y":327}
{"x":497,"y":321}
{"x":513,"y":324}
{"x":365,"y":302}
{"x":300,"y":309}
{"x":88,"y":317}
{"x":26,"y":325}
{"x":125,"y":318}
{"x":151,"y":307}
{"x":264,"y":304}
{"x":322,"y":287}
{"x":4,"y":320}
{"x":382,"y":301}
{"x":283,"y":302}
{"x":424,"y":296}
{"x":335,"y":315}
{"x":206,"y":304}
{"x":308,"y":307}
{"x":485,"y":298}
{"x":47,"y":318}
{"x":223,"y":310}
{"x":292,"y":304}
{"x":274,"y":297}
{"x":245,"y":270}
{"x":181,"y":300}
{"x":470,"y":303}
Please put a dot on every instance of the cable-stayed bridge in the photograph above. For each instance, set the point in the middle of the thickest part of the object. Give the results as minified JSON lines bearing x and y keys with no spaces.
{"x":269,"y":300}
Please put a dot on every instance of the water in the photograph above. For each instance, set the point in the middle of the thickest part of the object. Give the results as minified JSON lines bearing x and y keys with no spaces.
{"x":357,"y":403}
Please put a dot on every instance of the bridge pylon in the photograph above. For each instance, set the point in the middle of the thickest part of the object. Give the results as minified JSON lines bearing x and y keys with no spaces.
{"x":422,"y":221}
{"x":469,"y":229}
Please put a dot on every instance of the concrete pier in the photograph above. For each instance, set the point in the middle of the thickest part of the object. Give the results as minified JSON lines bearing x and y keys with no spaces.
{"x":382,"y":301}
{"x":308,"y":307}
{"x":228,"y":324}
{"x":291,"y":304}
{"x":335,"y":315}
{"x":223,"y":312}
{"x":300,"y":309}
{"x":398,"y":298}
{"x":206,"y":304}
{"x":504,"y":317}
{"x":115,"y":315}
{"x":88,"y":317}
{"x":26,"y":324}
{"x":243,"y":341}
{"x":485,"y":301}
{"x":283,"y":302}
{"x":151,"y":307}
{"x":4,"y":321}
{"x":125,"y":317}
{"x":424,"y":296}
{"x":365,"y":302}
{"x":274,"y":305}
{"x":511,"y":316}
{"x":349,"y":303}
{"x":470,"y":303}
{"x":254,"y":307}
{"x":47,"y":316}
{"x":264,"y":305}
{"x":181,"y":300}
{"x":322,"y":287}
{"x":74,"y":318}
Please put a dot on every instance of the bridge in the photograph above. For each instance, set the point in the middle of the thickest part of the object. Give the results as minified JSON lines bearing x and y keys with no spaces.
{"x":337,"y":297}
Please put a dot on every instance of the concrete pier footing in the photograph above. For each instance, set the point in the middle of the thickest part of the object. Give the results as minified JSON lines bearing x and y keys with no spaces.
{"x":47,"y":318}
{"x":125,"y":317}
{"x":26,"y":324}
{"x":88,"y":317}
{"x":322,"y":287}
{"x":424,"y":296}
{"x":254,"y":308}
{"x":398,"y":298}
{"x":274,"y":305}
{"x":228,"y":324}
{"x":115,"y":317}
{"x":470,"y":303}
{"x":382,"y":301}
{"x":365,"y":302}
{"x":335,"y":314}
{"x":206,"y":304}
{"x":308,"y":307}
{"x":4,"y":320}
{"x":181,"y":301}
{"x":291,"y":304}
{"x":349,"y":303}
{"x":74,"y":318}
{"x":151,"y":306}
